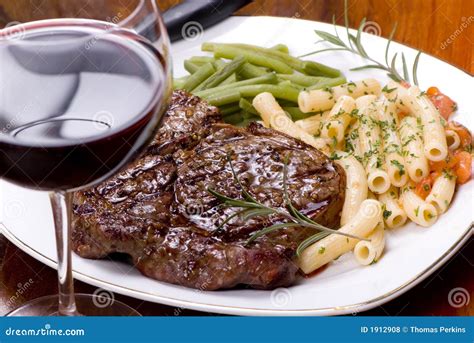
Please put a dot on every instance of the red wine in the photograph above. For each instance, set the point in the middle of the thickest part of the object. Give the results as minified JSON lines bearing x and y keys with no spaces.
{"x":76,"y":102}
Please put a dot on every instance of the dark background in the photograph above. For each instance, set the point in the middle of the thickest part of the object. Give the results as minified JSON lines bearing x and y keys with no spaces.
{"x":423,"y":24}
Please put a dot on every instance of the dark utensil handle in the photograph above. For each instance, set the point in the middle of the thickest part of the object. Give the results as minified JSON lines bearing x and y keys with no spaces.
{"x":204,"y":12}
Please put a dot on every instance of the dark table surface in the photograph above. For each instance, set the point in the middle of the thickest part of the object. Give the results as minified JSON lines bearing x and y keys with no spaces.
{"x":425,"y":25}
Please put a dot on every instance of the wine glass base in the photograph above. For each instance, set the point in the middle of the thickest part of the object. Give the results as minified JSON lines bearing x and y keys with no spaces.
{"x":87,"y":305}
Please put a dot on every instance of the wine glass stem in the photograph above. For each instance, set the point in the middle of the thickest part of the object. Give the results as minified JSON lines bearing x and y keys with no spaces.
{"x":61,"y":202}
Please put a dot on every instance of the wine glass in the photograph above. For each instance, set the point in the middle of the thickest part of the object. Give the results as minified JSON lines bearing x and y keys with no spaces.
{"x":81,"y":95}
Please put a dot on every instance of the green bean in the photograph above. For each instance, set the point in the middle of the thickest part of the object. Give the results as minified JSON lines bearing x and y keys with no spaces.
{"x":318,"y":69}
{"x":306,"y":67}
{"x":290,"y":60}
{"x":229,"y":109}
{"x":233,"y":118}
{"x":300,"y":79}
{"x":253,"y":57}
{"x":328,"y":82}
{"x":250,"y":116}
{"x":296,"y":113}
{"x":219,"y":76}
{"x":228,"y":96}
{"x":219,"y":64}
{"x":224,"y":98}
{"x":269,"y":78}
{"x":250,"y":71}
{"x":290,"y":84}
{"x":178,"y":83}
{"x":229,"y":80}
{"x":198,"y":77}
{"x":190,"y":67}
{"x":247,"y":106}
{"x":200,"y":60}
{"x":281,"y":47}
{"x":287,"y":103}
{"x":280,"y":92}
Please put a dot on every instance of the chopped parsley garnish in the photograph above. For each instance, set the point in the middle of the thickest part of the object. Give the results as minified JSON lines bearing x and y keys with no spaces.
{"x":386,"y":214}
{"x":400,"y":166}
{"x":385,"y":89}
{"x":334,"y":156}
{"x":447,"y":174}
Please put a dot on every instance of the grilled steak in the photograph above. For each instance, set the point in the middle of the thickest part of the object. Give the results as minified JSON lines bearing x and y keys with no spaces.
{"x":159,"y":210}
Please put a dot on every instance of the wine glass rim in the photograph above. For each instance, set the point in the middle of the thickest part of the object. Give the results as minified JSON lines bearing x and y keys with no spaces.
{"x":132,"y":15}
{"x":17,"y":31}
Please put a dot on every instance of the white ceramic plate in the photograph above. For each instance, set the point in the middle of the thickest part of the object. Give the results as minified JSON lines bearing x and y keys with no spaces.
{"x":412,"y":252}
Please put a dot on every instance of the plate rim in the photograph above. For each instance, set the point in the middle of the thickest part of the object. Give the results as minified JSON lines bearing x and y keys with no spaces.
{"x":233,"y":310}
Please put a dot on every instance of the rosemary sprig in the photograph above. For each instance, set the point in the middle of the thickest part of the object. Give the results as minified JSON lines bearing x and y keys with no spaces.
{"x":250,"y":208}
{"x":355,"y":46}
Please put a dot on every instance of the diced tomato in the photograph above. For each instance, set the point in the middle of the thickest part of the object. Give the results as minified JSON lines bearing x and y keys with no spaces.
{"x":447,"y":164}
{"x":434,"y":175}
{"x":464,"y":135}
{"x":432,"y":91}
{"x":463,"y":167}
{"x":402,"y":115}
{"x":442,"y":102}
{"x":423,"y":188}
{"x":459,"y":161}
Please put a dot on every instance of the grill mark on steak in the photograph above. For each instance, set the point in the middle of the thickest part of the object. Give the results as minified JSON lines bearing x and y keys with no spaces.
{"x":257,"y":155}
{"x":160,"y":213}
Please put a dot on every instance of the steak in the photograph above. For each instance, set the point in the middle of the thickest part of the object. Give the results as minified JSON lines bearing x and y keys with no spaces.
{"x":159,"y":211}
